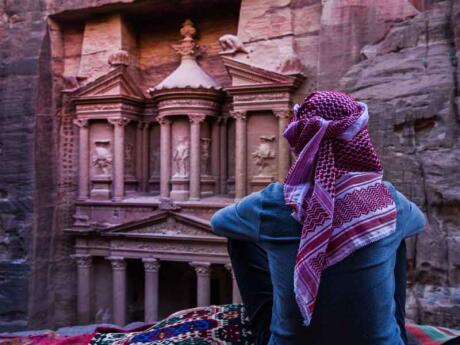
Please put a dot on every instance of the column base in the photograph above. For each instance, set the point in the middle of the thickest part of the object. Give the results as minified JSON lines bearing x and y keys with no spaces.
{"x":180,"y":188}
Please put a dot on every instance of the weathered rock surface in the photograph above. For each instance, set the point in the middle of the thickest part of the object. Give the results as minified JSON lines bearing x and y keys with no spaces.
{"x":410,"y":81}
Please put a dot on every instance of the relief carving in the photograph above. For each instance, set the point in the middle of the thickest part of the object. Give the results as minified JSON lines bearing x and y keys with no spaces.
{"x":205,"y":144}
{"x":102,"y":158}
{"x":181,"y":157}
{"x":264,"y":154}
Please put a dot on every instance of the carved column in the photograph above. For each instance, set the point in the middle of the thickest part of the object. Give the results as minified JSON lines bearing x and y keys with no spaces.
{"x":119,"y":157}
{"x":145,"y":157}
{"x":165,"y":154}
{"x":195,"y":174}
{"x":215,"y":154}
{"x":83,"y":288}
{"x":236,"y":297}
{"x":203,"y":283}
{"x":284,"y":152}
{"x":223,"y":155}
{"x":240,"y":151}
{"x":151,"y":269}
{"x":83,"y":159}
{"x":119,"y":289}
{"x":139,"y":154}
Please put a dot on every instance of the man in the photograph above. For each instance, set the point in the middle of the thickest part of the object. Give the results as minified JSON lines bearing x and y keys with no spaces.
{"x":321,"y":259}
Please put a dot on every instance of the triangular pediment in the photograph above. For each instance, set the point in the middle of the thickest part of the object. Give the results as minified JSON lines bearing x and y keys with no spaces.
{"x":247,"y":74}
{"x":117,"y":82}
{"x":165,"y":224}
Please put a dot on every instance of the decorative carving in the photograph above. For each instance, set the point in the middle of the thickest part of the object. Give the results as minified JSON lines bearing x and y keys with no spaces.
{"x":187,"y":46}
{"x":102,"y":158}
{"x":231,"y":44}
{"x":196,"y":118}
{"x":202,"y":268}
{"x":118,"y":263}
{"x":238,"y":114}
{"x":163,"y":121}
{"x":120,"y":121}
{"x":119,"y":58}
{"x":168,"y":204}
{"x":151,"y":265}
{"x":181,"y":157}
{"x":263,"y":97}
{"x":81,"y":122}
{"x":205,"y":144}
{"x":82,"y":260}
{"x":263,"y":154}
{"x":129,"y":159}
{"x":284,"y":114}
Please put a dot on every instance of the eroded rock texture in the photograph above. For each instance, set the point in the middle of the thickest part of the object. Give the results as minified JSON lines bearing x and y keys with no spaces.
{"x":410,"y":81}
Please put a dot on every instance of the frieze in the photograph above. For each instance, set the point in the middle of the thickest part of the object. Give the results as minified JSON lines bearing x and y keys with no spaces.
{"x":170,"y":247}
{"x":262,"y":97}
{"x":188,"y":102}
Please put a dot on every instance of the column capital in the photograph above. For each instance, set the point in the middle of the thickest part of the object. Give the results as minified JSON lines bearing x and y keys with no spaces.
{"x":163,"y":120}
{"x":238,"y":114}
{"x":81,"y":122}
{"x":201,"y":268}
{"x":282,"y":113}
{"x":196,"y":118}
{"x":82,"y":260}
{"x":229,"y":267}
{"x":118,"y":263}
{"x":119,"y":121}
{"x":151,"y":264}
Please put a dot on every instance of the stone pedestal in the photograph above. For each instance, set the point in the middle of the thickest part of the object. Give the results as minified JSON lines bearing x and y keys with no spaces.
{"x":151,"y":269}
{"x":83,"y":159}
{"x":203,"y":283}
{"x":119,"y":289}
{"x":180,"y":188}
{"x":83,"y":288}
{"x":208,"y":186}
{"x":259,"y":182}
{"x":100,"y":189}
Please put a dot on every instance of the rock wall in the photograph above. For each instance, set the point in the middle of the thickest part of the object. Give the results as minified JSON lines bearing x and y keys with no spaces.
{"x":409,"y":79}
{"x":400,"y":57}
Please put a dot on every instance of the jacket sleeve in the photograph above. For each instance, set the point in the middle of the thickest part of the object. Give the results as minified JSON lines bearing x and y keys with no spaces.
{"x":239,"y":221}
{"x":411,"y":219}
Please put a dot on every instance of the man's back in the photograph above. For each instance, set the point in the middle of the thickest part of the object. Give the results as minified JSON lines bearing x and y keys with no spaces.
{"x":356,"y":303}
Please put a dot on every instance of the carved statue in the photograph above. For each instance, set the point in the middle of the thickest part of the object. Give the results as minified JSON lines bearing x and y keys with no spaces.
{"x":129,"y":159}
{"x":231,"y":44}
{"x":204,"y":155}
{"x":102,"y":158}
{"x":263,"y":154}
{"x":180,"y":157}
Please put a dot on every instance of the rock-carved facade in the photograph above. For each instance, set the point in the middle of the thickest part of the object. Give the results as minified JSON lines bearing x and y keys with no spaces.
{"x":154,"y":166}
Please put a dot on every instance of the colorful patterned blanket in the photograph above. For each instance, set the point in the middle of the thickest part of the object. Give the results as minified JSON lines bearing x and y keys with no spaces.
{"x":214,"y":325}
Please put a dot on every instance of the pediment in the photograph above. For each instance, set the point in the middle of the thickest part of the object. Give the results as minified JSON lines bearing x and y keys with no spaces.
{"x":247,"y":74}
{"x":117,"y":82}
{"x":165,"y":224}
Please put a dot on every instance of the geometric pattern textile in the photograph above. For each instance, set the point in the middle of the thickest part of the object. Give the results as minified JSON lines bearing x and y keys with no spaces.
{"x":213,"y":325}
{"x":334,"y":188}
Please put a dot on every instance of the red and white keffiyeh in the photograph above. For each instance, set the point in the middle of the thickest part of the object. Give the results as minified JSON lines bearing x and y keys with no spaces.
{"x":335,"y":188}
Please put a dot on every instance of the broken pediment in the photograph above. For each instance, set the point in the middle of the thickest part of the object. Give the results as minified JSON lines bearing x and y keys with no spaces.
{"x":165,"y":224}
{"x":247,"y":74}
{"x":117,"y":82}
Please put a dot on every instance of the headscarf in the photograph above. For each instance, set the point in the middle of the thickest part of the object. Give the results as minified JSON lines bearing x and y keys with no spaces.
{"x":334,"y":187}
